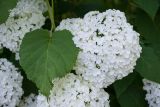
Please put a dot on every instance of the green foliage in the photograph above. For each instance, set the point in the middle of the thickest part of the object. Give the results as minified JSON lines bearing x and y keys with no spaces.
{"x":5,"y":6}
{"x":129,"y":91}
{"x":45,"y":57}
{"x":149,"y":64}
{"x":149,"y":6}
{"x":147,"y":28}
{"x":112,"y":96}
{"x":1,"y":50}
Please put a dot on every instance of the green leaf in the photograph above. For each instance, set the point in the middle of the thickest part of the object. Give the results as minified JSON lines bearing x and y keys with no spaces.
{"x":149,"y":64}
{"x":5,"y":6}
{"x":149,"y":6}
{"x":149,"y":31}
{"x":113,"y":101}
{"x":147,"y":28}
{"x":44,"y":57}
{"x":1,"y":50}
{"x":112,"y":96}
{"x":129,"y":91}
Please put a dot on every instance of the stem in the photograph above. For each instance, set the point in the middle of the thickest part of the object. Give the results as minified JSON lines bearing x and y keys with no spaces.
{"x":51,"y":14}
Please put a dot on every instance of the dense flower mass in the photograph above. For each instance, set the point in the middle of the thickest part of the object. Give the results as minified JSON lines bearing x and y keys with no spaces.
{"x":109,"y":49}
{"x":25,"y":17}
{"x":153,"y":93}
{"x":34,"y":101}
{"x":109,"y":46}
{"x":72,"y":91}
{"x":10,"y":84}
{"x":69,"y":91}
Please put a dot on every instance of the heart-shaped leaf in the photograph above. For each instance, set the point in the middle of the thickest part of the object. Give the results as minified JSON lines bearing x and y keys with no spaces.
{"x":44,"y":56}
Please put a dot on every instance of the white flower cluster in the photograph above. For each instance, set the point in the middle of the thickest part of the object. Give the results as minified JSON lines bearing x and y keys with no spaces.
{"x":69,"y":91}
{"x":34,"y":101}
{"x":109,"y":46}
{"x":25,"y":17}
{"x":153,"y":93}
{"x":10,"y":84}
{"x":73,"y":91}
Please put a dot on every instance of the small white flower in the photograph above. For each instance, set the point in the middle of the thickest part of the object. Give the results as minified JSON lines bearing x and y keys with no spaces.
{"x":34,"y":101}
{"x":72,"y":91}
{"x":10,"y":84}
{"x":153,"y":93}
{"x":29,"y":101}
{"x":25,"y":17}
{"x":109,"y":46}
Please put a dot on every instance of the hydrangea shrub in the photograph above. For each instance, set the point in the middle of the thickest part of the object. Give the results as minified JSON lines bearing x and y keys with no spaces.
{"x":78,"y":53}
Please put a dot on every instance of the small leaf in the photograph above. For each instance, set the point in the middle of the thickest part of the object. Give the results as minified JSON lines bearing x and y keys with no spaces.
{"x":129,"y":91}
{"x":44,"y":57}
{"x":149,"y":6}
{"x":149,"y":64}
{"x":5,"y":6}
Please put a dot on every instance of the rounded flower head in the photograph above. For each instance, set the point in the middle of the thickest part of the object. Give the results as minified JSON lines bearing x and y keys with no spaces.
{"x":153,"y":93}
{"x":10,"y":84}
{"x":34,"y":101}
{"x":109,"y":46}
{"x":72,"y":91}
{"x":25,"y":17}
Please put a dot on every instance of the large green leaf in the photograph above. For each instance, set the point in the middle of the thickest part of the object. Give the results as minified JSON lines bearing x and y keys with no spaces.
{"x":148,"y":30}
{"x":129,"y":91}
{"x":149,"y":64}
{"x":149,"y":6}
{"x":5,"y":6}
{"x":146,"y":27}
{"x":45,"y":57}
